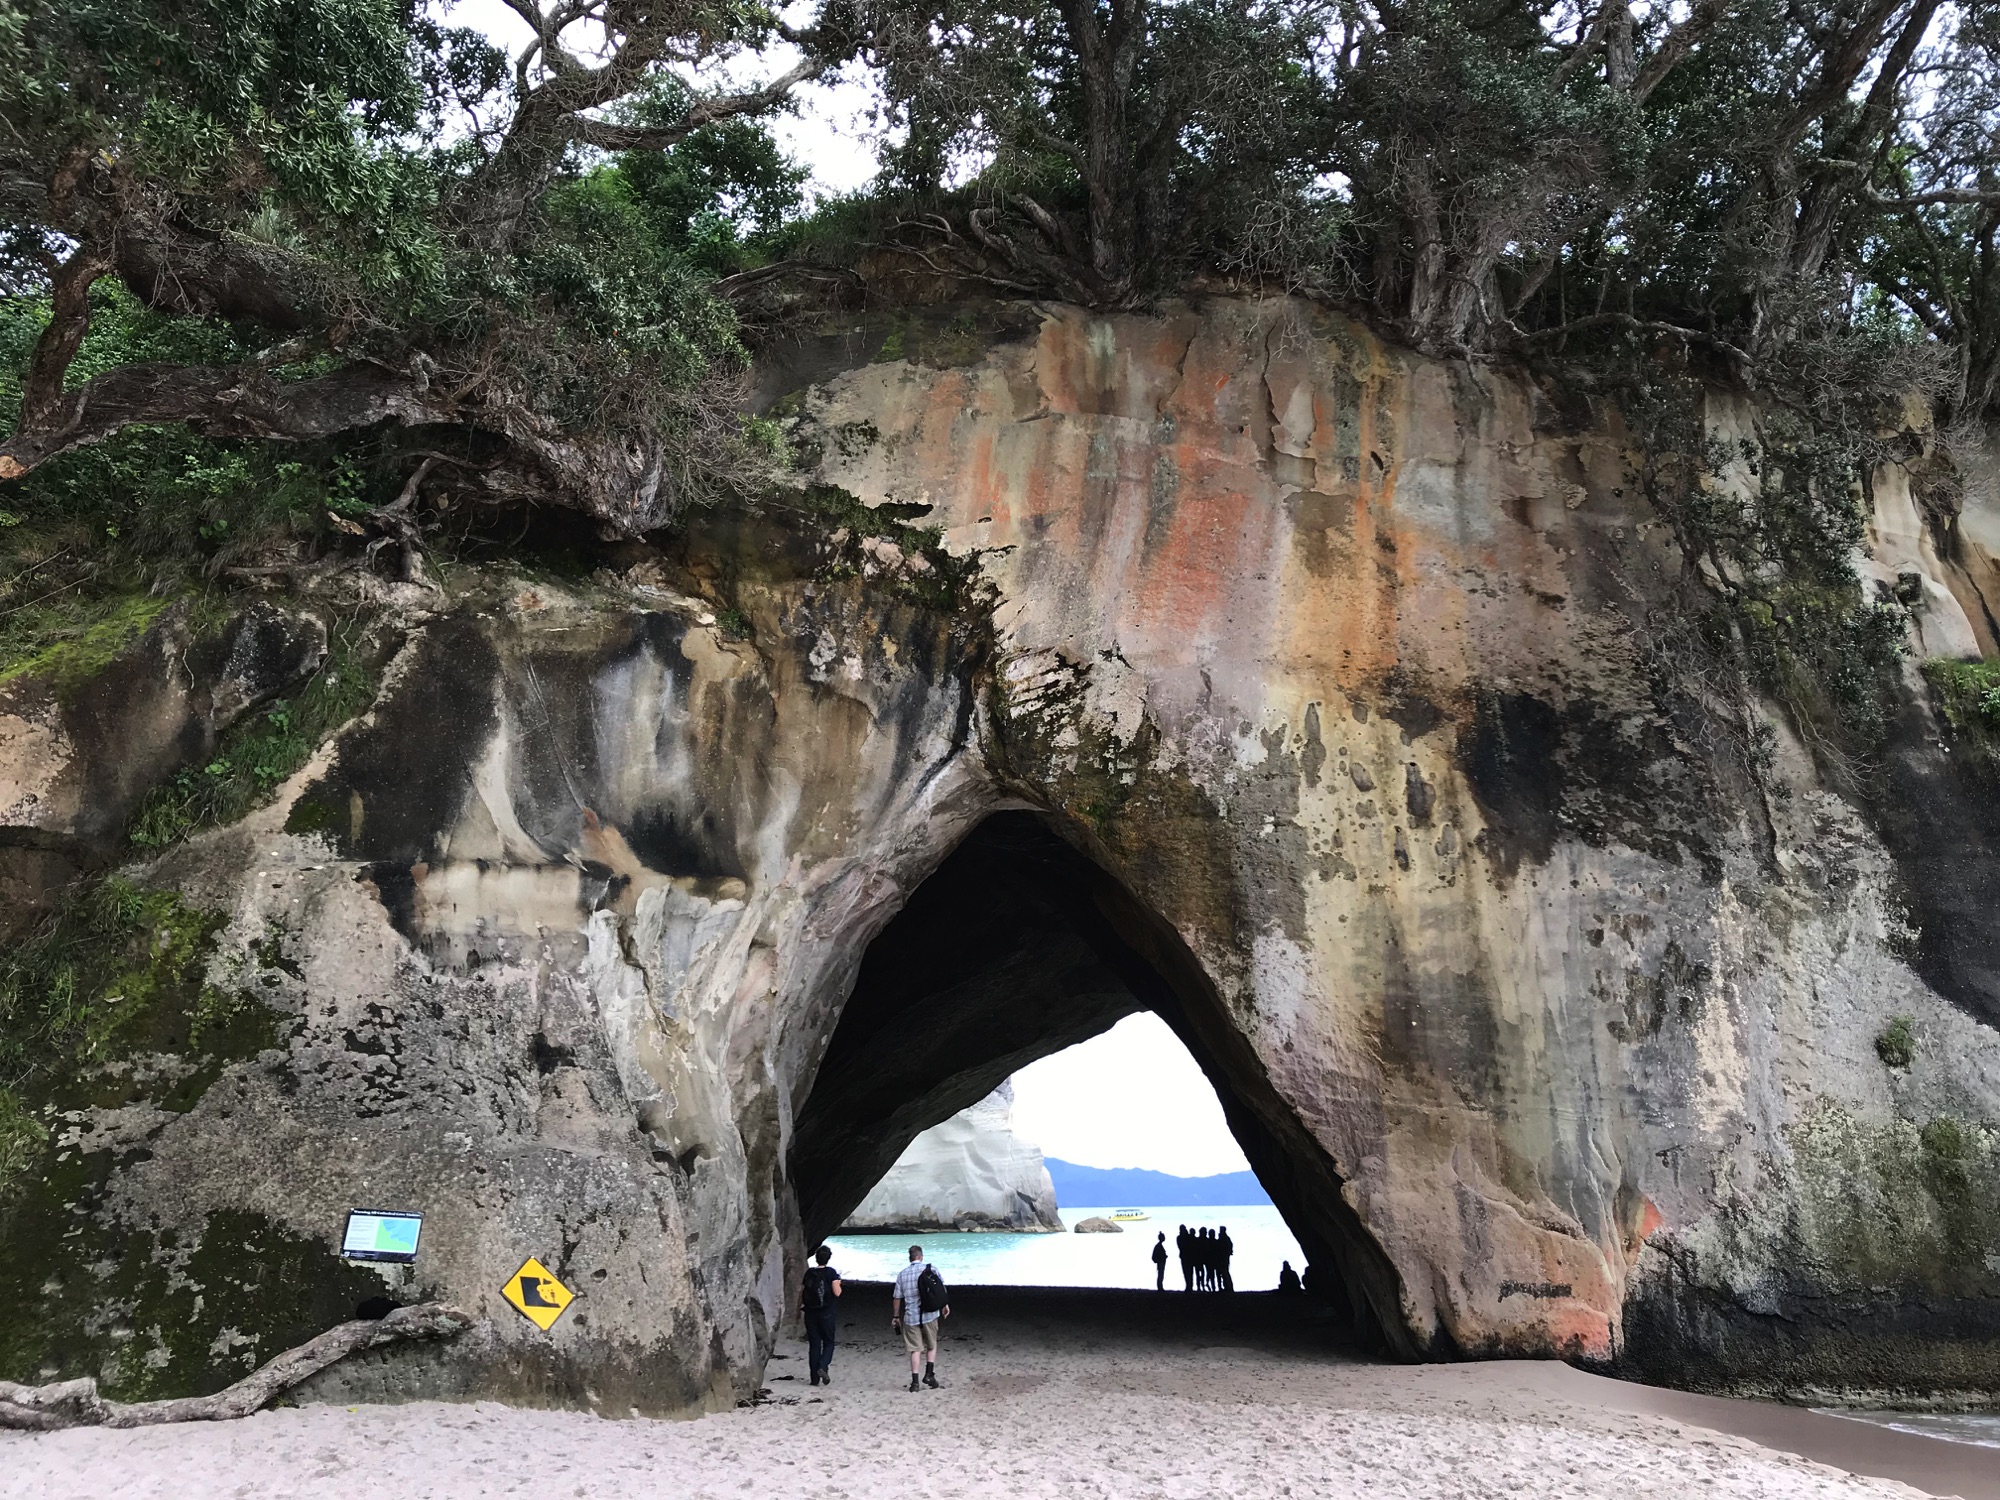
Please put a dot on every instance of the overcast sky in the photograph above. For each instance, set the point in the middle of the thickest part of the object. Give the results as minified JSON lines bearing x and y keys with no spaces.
{"x":1129,"y":1098}
{"x":830,"y":131}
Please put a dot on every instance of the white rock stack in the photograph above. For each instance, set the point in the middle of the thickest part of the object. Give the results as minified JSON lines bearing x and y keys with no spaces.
{"x":971,"y":1172}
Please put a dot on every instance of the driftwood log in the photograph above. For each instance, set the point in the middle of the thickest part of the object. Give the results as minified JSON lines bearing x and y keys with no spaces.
{"x":76,"y":1403}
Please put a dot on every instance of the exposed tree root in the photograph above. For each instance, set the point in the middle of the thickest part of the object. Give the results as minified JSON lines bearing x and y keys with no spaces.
{"x":75,"y":1403}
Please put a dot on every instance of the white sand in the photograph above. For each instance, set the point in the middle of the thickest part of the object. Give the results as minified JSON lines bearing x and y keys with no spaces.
{"x":1028,"y":1411}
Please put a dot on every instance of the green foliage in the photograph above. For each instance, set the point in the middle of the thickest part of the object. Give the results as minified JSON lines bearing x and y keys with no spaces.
{"x":162,"y":505}
{"x":22,"y":1141}
{"x":1968,"y":694}
{"x":1897,"y":1043}
{"x":1768,"y":526}
{"x":1150,"y":150}
{"x":721,"y":200}
{"x":74,"y":636}
{"x":118,"y":970}
{"x":930,"y":575}
{"x":278,"y":116}
{"x":612,"y":321}
{"x":291,"y":188}
{"x":261,"y":751}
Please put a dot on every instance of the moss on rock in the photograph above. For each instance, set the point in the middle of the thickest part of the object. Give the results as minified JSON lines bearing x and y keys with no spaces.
{"x":110,"y":1007}
{"x":1898,"y":1204}
{"x":151,"y":1313}
{"x":118,"y":978}
{"x":1967,"y":694}
{"x":65,"y":643}
{"x":1897,"y":1043}
{"x":262,"y":750}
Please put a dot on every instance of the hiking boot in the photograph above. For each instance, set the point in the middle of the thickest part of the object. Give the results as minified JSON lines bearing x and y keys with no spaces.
{"x":826,"y":1377}
{"x":815,"y":1377}
{"x":930,"y":1376}
{"x":913,"y":1382}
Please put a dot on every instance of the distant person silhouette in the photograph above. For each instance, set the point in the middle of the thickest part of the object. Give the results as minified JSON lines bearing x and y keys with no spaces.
{"x":1160,"y":1262}
{"x":1204,"y":1259}
{"x":1184,"y":1242}
{"x":1288,"y":1281}
{"x":1224,"y":1248}
{"x":818,"y":1302}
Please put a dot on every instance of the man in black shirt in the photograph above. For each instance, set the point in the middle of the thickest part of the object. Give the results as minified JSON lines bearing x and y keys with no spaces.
{"x":818,"y":1299}
{"x":1184,"y":1242}
{"x":1224,"y":1248}
{"x":1160,"y":1262}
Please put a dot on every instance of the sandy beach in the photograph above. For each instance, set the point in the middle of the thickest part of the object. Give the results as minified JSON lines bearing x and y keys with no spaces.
{"x":1047,"y":1394}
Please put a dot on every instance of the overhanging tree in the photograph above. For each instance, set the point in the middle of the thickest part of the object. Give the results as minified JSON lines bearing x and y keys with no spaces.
{"x":387,"y":225}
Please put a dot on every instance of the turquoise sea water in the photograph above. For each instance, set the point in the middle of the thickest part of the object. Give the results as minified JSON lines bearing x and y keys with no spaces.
{"x":1123,"y":1260}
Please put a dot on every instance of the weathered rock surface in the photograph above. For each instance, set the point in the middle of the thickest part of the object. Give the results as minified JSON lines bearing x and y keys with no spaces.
{"x":1301,"y":693}
{"x":79,"y":749}
{"x":970,"y":1173}
{"x":1096,"y":1224}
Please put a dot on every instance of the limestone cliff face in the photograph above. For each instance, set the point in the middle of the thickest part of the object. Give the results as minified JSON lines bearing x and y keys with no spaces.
{"x":971,"y":1172}
{"x":1287,"y":684}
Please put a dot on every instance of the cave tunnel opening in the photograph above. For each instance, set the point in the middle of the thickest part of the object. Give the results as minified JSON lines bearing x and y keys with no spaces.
{"x":1018,"y":946}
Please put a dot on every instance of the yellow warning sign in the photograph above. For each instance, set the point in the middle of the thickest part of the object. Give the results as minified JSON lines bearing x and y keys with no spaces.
{"x":536,"y":1292}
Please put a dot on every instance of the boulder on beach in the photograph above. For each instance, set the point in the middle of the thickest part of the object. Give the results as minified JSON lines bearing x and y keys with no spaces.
{"x":1099,"y":1226}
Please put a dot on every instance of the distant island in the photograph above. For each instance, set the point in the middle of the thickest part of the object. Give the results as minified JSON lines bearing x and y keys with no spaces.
{"x":1113,"y":1187}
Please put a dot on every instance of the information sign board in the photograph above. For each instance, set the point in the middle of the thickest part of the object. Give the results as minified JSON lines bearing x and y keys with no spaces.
{"x":381,"y":1236}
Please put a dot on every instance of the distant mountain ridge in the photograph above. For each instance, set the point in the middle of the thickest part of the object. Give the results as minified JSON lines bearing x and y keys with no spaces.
{"x":1136,"y":1187}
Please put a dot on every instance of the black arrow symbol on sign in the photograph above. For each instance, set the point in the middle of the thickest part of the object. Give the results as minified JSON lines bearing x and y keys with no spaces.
{"x":531,"y":1293}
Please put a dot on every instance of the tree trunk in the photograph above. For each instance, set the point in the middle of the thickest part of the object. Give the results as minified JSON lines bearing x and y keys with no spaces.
{"x":75,"y":1403}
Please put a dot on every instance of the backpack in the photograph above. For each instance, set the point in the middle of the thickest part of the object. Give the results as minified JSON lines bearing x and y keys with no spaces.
{"x":814,"y":1295}
{"x":931,"y":1294}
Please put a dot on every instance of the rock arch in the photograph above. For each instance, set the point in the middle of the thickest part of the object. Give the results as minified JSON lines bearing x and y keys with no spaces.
{"x":1017,"y":946}
{"x":1318,"y":670}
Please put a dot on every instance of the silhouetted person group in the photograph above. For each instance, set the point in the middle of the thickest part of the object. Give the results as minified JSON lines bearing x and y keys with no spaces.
{"x":1205,"y":1259}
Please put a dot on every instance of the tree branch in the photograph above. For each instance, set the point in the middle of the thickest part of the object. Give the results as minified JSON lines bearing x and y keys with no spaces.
{"x":1587,"y":43}
{"x":1675,"y":46}
{"x":1932,"y":199}
{"x":75,"y":1403}
{"x":1636,"y":325}
{"x":69,"y":321}
{"x":229,"y":401}
{"x":607,"y":135}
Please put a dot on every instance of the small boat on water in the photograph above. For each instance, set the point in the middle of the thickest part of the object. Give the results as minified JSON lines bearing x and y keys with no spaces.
{"x":1128,"y":1215}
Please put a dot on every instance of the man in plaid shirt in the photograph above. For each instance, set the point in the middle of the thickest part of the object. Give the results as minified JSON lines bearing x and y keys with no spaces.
{"x":919,"y":1328}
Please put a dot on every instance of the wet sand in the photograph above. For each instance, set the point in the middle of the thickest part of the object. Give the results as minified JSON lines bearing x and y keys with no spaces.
{"x":1056,"y":1394}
